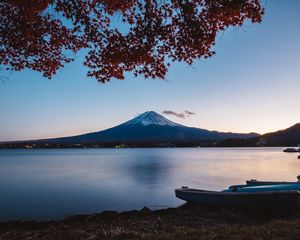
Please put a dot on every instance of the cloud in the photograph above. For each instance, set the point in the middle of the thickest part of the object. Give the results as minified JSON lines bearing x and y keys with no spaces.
{"x":179,"y":115}
{"x":189,"y":113}
{"x":170,"y":112}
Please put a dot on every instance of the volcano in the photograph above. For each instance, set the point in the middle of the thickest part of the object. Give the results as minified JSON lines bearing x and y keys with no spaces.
{"x":149,"y":127}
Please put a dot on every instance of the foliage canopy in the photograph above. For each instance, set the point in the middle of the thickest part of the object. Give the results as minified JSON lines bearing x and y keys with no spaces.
{"x":44,"y":35}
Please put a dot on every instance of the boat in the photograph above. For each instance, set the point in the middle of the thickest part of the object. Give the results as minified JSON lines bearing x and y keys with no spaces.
{"x":291,"y":150}
{"x":267,"y":187}
{"x":276,"y":201}
{"x":253,"y":182}
{"x":257,"y":182}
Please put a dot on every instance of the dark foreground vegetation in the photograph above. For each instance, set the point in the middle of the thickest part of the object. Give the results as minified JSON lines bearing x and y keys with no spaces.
{"x":186,"y":222}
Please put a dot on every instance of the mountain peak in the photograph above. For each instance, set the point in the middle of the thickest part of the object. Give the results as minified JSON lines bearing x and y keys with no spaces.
{"x":151,"y":118}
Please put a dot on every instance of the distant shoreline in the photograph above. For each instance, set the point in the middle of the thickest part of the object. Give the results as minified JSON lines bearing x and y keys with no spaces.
{"x":142,"y":147}
{"x":122,"y":145}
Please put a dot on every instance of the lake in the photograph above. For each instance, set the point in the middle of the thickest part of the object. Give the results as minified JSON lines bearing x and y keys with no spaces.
{"x":56,"y":183}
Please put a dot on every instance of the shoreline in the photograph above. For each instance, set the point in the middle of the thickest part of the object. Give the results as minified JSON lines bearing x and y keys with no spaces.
{"x":189,"y":221}
{"x":141,"y":147}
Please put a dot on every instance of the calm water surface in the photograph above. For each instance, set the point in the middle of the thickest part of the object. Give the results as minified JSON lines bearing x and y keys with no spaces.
{"x":55,"y":183}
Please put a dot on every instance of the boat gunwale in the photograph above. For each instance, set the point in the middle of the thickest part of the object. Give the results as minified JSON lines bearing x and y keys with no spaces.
{"x":200,"y":191}
{"x":254,"y":182}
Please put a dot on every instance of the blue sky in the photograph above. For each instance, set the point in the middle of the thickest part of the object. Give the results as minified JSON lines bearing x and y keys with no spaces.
{"x":251,"y":84}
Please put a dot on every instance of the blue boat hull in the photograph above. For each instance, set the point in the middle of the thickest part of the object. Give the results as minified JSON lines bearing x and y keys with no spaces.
{"x":274,"y":202}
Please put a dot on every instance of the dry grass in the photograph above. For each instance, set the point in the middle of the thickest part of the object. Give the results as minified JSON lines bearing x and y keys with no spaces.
{"x":189,"y":222}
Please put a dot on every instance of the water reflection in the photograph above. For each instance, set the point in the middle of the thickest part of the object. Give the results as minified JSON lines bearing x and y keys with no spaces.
{"x":148,"y":170}
{"x":54,"y":183}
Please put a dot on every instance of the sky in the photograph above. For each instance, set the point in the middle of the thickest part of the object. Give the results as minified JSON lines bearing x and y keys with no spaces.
{"x":252,"y":84}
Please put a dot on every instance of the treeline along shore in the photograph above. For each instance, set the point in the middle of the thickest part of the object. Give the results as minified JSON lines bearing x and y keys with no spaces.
{"x":188,"y":222}
{"x":29,"y":145}
{"x":224,"y":143}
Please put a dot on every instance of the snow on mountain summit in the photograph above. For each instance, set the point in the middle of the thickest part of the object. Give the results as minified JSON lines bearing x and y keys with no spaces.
{"x":151,"y":118}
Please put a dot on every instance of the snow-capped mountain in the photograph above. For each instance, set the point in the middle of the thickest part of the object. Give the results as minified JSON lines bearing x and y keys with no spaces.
{"x":149,"y":127}
{"x":150,"y":118}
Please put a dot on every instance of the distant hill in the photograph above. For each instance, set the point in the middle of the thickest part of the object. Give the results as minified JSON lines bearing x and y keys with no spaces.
{"x":286,"y":137}
{"x":148,"y":128}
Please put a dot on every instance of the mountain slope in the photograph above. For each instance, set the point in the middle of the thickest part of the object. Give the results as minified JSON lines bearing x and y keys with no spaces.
{"x":149,"y":127}
{"x":150,"y":118}
{"x":286,"y":137}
